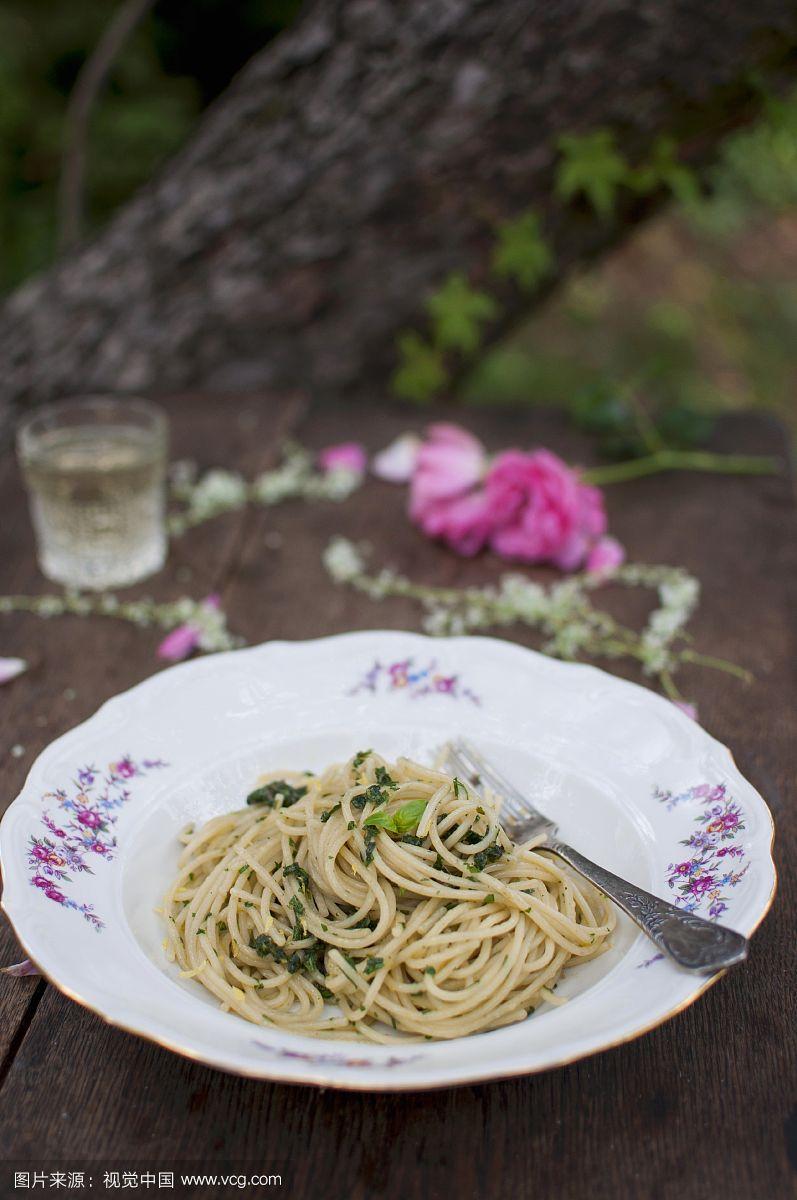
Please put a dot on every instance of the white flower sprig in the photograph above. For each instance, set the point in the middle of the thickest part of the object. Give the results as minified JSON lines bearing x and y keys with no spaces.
{"x":220,"y":491}
{"x":564,"y":613}
{"x":209,"y":622}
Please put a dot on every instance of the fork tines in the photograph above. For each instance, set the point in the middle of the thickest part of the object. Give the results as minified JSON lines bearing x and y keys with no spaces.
{"x":515,"y":805}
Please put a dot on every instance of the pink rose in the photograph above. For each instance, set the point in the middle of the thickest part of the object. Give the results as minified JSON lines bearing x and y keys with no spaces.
{"x":445,"y":499}
{"x":541,"y":511}
{"x":347,"y":456}
{"x":605,"y":556}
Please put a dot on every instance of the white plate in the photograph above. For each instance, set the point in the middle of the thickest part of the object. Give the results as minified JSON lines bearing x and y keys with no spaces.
{"x":89,"y":846}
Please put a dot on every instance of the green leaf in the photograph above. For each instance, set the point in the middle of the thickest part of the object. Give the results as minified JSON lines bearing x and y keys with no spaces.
{"x":403,"y":820}
{"x":662,"y":169}
{"x":591,"y":166}
{"x":421,"y":372}
{"x":522,"y":253}
{"x":458,"y":312}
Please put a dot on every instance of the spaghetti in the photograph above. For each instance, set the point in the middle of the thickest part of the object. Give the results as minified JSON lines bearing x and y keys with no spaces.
{"x":373,"y":900}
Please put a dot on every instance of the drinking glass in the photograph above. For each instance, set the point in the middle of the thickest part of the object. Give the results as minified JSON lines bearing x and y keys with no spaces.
{"x":95,"y":471}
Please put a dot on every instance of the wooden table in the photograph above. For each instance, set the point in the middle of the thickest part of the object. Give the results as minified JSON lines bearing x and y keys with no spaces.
{"x":697,"y":1108}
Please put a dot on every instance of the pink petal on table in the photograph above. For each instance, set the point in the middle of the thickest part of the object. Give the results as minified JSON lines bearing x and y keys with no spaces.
{"x":605,"y":556}
{"x":346,"y":456}
{"x":396,"y":463}
{"x":178,"y":644}
{"x":26,"y":967}
{"x":689,"y":709}
{"x":10,"y":668}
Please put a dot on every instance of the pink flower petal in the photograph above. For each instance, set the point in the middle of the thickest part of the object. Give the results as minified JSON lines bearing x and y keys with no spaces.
{"x":20,"y":969}
{"x":605,"y":556}
{"x":541,"y":510}
{"x":689,"y":709}
{"x":10,"y":668}
{"x":396,"y":463}
{"x":462,"y":523}
{"x":346,"y":456}
{"x":178,"y":644}
{"x":450,"y":462}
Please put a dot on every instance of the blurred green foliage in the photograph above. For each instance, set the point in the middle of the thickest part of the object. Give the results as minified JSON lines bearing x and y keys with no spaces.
{"x":694,"y":315}
{"x":180,"y":57}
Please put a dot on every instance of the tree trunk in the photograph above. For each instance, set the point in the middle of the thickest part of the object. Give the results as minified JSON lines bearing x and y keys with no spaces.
{"x":353,"y":163}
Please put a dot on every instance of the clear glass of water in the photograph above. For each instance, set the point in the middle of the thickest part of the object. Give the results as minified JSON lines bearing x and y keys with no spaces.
{"x":95,"y":469}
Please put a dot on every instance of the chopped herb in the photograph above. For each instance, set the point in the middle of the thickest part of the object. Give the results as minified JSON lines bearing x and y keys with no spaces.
{"x":412,"y":840}
{"x":327,"y":813}
{"x":296,"y":905}
{"x":191,"y":876}
{"x":369,"y":837}
{"x":372,"y":965}
{"x":383,"y":779}
{"x":451,"y":904}
{"x":324,"y":927}
{"x":457,"y":788}
{"x":294,"y":845}
{"x":429,"y":971}
{"x":201,"y":930}
{"x":325,"y":992}
{"x":438,"y":863}
{"x":372,"y":795}
{"x":352,"y":825}
{"x":489,"y":898}
{"x":299,"y":873}
{"x":266,"y":947}
{"x":351,"y":961}
{"x":249,"y":904}
{"x":490,"y":855}
{"x":221,"y":926}
{"x":245,"y":867}
{"x":277,"y":794}
{"x":366,"y":923}
{"x":404,"y":820}
{"x":360,"y":757}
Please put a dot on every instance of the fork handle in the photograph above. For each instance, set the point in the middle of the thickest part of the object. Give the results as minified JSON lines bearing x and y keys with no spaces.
{"x":695,"y":944}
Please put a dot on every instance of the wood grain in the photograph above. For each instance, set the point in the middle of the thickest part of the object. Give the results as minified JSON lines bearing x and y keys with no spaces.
{"x":699,"y":1107}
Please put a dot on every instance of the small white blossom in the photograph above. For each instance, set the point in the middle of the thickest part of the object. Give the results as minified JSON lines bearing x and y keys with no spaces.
{"x":343,"y":560}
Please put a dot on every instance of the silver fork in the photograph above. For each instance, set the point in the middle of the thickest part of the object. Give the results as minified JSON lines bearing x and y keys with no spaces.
{"x":693,"y":943}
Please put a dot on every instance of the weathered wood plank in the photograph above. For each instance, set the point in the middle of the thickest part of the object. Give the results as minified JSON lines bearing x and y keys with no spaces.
{"x":695,"y":1108}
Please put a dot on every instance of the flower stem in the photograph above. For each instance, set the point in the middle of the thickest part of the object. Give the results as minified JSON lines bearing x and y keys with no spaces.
{"x":682,"y":460}
{"x":719,"y":664}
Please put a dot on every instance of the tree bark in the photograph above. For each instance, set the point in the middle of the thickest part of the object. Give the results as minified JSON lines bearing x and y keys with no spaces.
{"x":353,"y":163}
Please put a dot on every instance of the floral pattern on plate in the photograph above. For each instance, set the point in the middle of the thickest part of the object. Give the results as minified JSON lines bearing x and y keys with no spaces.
{"x":417,"y":680}
{"x":716,"y":857}
{"x":338,"y":1060}
{"x":81,"y":832}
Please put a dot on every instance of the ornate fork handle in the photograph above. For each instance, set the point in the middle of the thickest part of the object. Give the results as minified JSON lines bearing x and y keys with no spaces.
{"x":695,"y":944}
